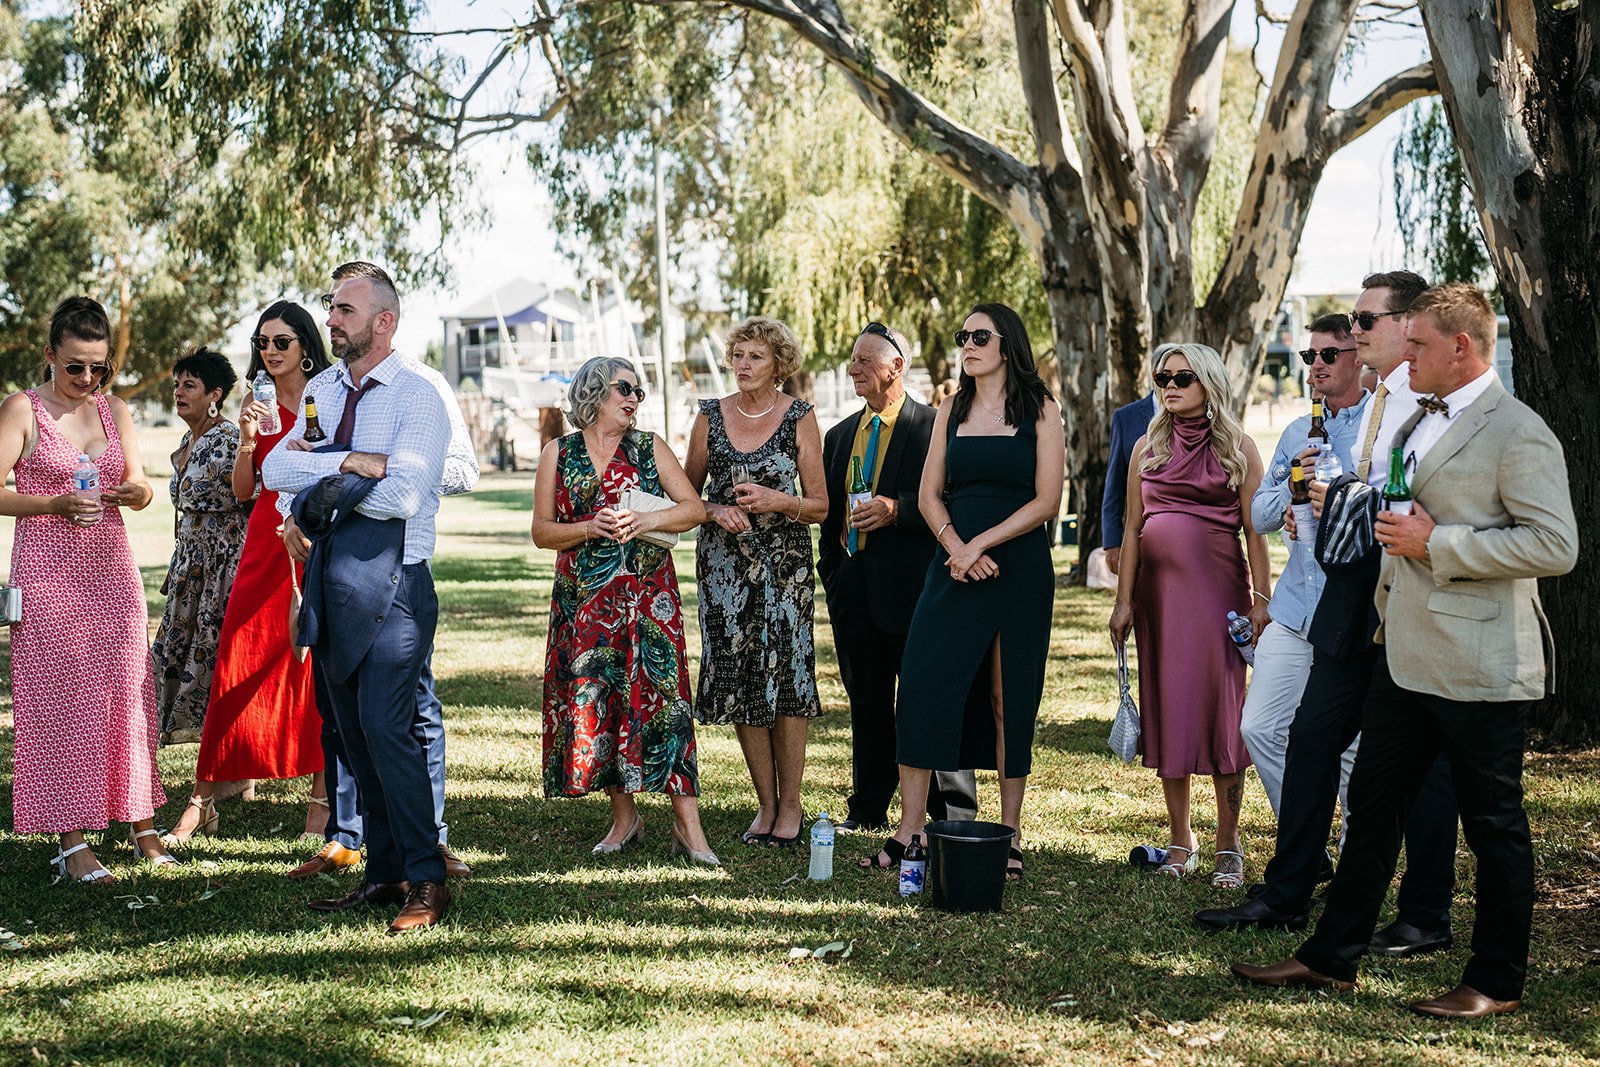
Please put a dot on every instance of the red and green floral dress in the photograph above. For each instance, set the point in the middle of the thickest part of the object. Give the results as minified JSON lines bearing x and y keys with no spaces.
{"x":617,"y":706}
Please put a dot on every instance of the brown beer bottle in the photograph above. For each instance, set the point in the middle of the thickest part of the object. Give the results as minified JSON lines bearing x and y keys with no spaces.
{"x":1318,"y":434}
{"x":314,"y":431}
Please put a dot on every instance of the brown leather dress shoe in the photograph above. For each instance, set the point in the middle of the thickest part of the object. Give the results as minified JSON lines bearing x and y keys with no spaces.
{"x":425,"y":906}
{"x":332,"y":859}
{"x":454,"y":865}
{"x":367,"y":894}
{"x":1289,"y":972}
{"x":1464,"y":1002}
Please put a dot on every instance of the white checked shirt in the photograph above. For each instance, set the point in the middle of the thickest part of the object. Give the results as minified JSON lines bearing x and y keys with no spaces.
{"x":404,"y":418}
{"x":1433,"y":425}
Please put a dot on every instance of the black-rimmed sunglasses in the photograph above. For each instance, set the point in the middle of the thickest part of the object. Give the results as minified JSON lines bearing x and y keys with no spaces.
{"x":98,"y":370}
{"x":878,"y":329}
{"x":1368,"y":319}
{"x":979,"y":337}
{"x":1182,"y":379}
{"x":1309,"y":356}
{"x":628,"y":390}
{"x":281,"y":343}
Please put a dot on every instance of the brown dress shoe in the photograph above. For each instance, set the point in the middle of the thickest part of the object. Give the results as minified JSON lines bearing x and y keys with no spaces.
{"x":1289,"y":972}
{"x":1464,"y":1002}
{"x":454,"y":865}
{"x":425,"y":906}
{"x":332,"y":859}
{"x":367,"y":894}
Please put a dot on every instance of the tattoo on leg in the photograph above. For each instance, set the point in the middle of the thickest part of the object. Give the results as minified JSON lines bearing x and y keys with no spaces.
{"x":1236,"y":795}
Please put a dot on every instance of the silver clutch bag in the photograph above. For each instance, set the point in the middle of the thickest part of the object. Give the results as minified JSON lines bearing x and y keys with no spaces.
{"x":1124,"y":739}
{"x":10,"y":604}
{"x":640,"y":501}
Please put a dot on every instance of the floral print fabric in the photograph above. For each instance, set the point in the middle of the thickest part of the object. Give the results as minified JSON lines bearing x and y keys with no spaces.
{"x":617,"y":708}
{"x":756,"y":591}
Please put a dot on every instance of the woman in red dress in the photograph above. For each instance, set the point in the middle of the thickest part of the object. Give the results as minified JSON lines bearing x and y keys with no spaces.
{"x":262,"y":721}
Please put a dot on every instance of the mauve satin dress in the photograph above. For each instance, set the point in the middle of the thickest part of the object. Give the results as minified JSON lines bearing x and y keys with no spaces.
{"x":1191,"y":574}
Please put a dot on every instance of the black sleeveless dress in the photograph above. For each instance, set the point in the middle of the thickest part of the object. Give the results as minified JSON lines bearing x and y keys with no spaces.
{"x":944,"y":718}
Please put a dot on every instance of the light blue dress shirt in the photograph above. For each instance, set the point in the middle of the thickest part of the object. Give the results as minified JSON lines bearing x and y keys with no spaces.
{"x":1294,"y":600}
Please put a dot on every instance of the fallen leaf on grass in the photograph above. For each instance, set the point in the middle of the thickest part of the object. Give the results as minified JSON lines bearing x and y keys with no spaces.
{"x":835,"y":948}
{"x":414,"y":1024}
{"x":278,"y":829}
{"x":695,"y":899}
{"x":135,"y":902}
{"x":209,"y":893}
{"x":798,"y":953}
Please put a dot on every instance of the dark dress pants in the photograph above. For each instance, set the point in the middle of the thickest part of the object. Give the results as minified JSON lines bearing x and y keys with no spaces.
{"x":377,"y":713}
{"x":1402,"y":733}
{"x":1328,"y":719}
{"x":869,"y":663}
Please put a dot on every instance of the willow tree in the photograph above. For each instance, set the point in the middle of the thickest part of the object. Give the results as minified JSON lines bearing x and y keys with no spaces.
{"x":1520,"y":81}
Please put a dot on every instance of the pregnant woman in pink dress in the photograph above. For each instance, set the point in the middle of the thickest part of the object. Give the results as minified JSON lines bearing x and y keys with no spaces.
{"x":1189,"y":487}
{"x":83,"y":695}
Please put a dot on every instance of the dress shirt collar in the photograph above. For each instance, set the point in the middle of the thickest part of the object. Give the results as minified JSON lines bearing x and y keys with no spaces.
{"x":887,"y":415}
{"x":384,"y":373}
{"x":1399,"y":379}
{"x":1463,"y":396}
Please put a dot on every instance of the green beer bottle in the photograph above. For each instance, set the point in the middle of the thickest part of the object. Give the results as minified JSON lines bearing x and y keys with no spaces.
{"x":1396,"y":493}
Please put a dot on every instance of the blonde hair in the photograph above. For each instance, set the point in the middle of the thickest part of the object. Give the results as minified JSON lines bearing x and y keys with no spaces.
{"x":1455,"y":308}
{"x":1227,"y":430}
{"x":776,"y":336}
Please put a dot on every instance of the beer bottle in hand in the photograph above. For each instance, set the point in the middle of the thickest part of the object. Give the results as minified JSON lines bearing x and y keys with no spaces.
{"x":314,"y":431}
{"x":1396,"y":493}
{"x":1317,"y":436}
{"x":1305,"y":517}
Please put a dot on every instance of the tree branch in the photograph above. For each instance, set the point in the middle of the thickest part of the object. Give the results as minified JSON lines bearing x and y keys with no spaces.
{"x":1343,"y":126}
{"x":1195,"y":96}
{"x":1058,"y":157}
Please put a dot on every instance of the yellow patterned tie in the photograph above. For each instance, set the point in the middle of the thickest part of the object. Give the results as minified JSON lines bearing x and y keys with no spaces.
{"x":1365,"y":464}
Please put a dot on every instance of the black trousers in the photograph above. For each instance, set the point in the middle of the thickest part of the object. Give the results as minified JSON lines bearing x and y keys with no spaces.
{"x":377,"y":714}
{"x":869,"y":662}
{"x":1328,"y":719}
{"x":1402,"y":733}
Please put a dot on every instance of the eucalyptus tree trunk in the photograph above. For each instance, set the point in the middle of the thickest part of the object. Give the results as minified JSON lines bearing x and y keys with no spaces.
{"x":1521,"y":84}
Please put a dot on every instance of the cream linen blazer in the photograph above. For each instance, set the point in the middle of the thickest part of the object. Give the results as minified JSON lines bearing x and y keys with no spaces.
{"x":1468,"y":625}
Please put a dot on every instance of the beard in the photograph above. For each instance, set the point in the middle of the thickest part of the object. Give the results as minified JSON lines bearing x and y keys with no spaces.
{"x":353,"y":346}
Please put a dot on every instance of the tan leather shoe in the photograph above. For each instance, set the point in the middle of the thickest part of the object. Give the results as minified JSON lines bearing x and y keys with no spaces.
{"x":332,"y":859}
{"x":366,"y":895}
{"x":454,"y":865}
{"x":1289,"y":972}
{"x":426,"y":905}
{"x":1464,"y":1002}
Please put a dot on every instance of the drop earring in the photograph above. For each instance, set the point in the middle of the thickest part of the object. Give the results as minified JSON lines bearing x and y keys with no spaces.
{"x":212,"y":409}
{"x":1210,"y":411}
{"x":306,"y":364}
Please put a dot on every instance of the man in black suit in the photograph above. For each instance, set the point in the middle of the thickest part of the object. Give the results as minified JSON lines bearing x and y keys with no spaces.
{"x":873,"y":559}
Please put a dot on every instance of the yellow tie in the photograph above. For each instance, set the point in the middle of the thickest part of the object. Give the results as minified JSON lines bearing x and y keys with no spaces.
{"x":1365,"y":464}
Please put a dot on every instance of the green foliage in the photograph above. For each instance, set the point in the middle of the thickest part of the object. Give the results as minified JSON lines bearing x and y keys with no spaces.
{"x":1433,"y":201}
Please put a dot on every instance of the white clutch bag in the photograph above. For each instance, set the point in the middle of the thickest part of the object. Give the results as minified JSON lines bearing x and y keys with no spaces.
{"x":641,"y":501}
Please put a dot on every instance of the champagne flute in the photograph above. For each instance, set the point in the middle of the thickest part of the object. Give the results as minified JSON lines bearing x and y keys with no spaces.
{"x":740,"y":474}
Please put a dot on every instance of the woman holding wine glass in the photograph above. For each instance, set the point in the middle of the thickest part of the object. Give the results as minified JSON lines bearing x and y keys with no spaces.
{"x":747,"y":452}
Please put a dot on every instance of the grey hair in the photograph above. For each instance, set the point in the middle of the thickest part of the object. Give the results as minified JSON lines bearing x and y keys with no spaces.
{"x":590,"y":386}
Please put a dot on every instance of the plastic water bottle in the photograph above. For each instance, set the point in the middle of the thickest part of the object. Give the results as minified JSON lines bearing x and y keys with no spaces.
{"x":1240,"y":632}
{"x":822,"y":849}
{"x":913,"y":867}
{"x":86,"y":483}
{"x":267,"y":393}
{"x":1328,"y":466}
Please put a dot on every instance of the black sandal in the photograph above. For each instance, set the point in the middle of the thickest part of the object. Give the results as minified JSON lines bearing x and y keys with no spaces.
{"x":750,"y":837}
{"x":891,"y":848}
{"x":1014,"y":874}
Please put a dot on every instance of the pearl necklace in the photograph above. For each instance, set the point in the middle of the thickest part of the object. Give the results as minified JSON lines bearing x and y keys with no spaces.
{"x":758,"y":414}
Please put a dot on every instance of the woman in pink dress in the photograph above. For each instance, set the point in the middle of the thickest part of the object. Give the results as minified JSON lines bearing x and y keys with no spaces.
{"x":83,"y":694}
{"x":1189,"y":489}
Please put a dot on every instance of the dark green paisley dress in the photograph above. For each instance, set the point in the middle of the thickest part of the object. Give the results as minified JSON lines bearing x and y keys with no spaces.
{"x":617,"y":709}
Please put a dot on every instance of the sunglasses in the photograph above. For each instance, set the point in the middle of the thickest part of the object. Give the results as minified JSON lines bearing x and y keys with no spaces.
{"x":1309,"y":356}
{"x":1367,"y":319}
{"x":1183,"y":379}
{"x":281,"y":343}
{"x":878,"y":329}
{"x":628,"y":390}
{"x":980,"y":338}
{"x":98,"y":370}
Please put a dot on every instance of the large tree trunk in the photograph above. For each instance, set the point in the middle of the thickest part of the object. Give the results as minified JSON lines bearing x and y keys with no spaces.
{"x":1521,"y":84}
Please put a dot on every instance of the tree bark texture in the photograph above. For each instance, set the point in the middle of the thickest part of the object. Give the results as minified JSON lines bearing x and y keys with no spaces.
{"x":1521,"y":85}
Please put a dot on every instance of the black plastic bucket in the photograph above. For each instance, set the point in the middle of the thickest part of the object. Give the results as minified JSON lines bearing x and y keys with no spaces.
{"x":967,"y":863}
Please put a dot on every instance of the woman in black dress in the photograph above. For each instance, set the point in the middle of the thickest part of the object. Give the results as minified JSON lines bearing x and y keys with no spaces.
{"x":974,"y":662}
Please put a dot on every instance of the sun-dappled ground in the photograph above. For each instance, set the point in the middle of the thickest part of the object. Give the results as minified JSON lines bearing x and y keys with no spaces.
{"x":553,"y":956}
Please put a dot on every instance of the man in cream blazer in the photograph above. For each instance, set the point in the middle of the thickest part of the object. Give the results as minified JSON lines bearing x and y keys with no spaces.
{"x":1465,"y":652}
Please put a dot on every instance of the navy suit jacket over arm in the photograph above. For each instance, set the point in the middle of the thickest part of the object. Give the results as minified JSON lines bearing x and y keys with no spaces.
{"x":1128,"y":424}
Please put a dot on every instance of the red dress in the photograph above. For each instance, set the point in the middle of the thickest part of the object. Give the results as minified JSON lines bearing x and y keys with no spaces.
{"x":262,"y":721}
{"x":83,"y":694}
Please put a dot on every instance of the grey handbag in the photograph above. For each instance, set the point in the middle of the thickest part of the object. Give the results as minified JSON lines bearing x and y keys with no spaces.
{"x":1124,"y":739}
{"x":10,"y":604}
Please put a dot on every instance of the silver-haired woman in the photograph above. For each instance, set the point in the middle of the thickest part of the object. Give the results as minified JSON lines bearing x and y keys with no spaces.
{"x":617,"y":708}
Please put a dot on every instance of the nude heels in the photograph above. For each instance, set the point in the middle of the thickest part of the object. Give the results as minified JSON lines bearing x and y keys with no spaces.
{"x":635,"y":833}
{"x":681,"y":848}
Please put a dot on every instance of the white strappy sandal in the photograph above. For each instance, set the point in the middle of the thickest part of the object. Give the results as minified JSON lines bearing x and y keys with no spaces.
{"x":163,"y":860}
{"x":99,"y":874}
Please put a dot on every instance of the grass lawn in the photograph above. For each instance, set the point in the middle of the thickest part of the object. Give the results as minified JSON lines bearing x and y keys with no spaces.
{"x":551,"y":955}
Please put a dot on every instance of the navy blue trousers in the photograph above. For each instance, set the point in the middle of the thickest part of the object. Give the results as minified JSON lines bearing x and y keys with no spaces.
{"x":376,"y":715}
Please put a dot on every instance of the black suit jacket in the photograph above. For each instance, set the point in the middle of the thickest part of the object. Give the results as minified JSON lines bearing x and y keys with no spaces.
{"x":890,"y":569}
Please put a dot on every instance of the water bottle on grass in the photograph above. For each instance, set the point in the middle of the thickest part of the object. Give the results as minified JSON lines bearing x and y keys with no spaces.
{"x":822,"y":849}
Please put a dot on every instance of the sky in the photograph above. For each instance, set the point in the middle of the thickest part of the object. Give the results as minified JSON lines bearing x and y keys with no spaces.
{"x":1349,"y":232}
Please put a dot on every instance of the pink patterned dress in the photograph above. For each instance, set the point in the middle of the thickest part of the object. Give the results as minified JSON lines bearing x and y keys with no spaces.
{"x":83,"y":695}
